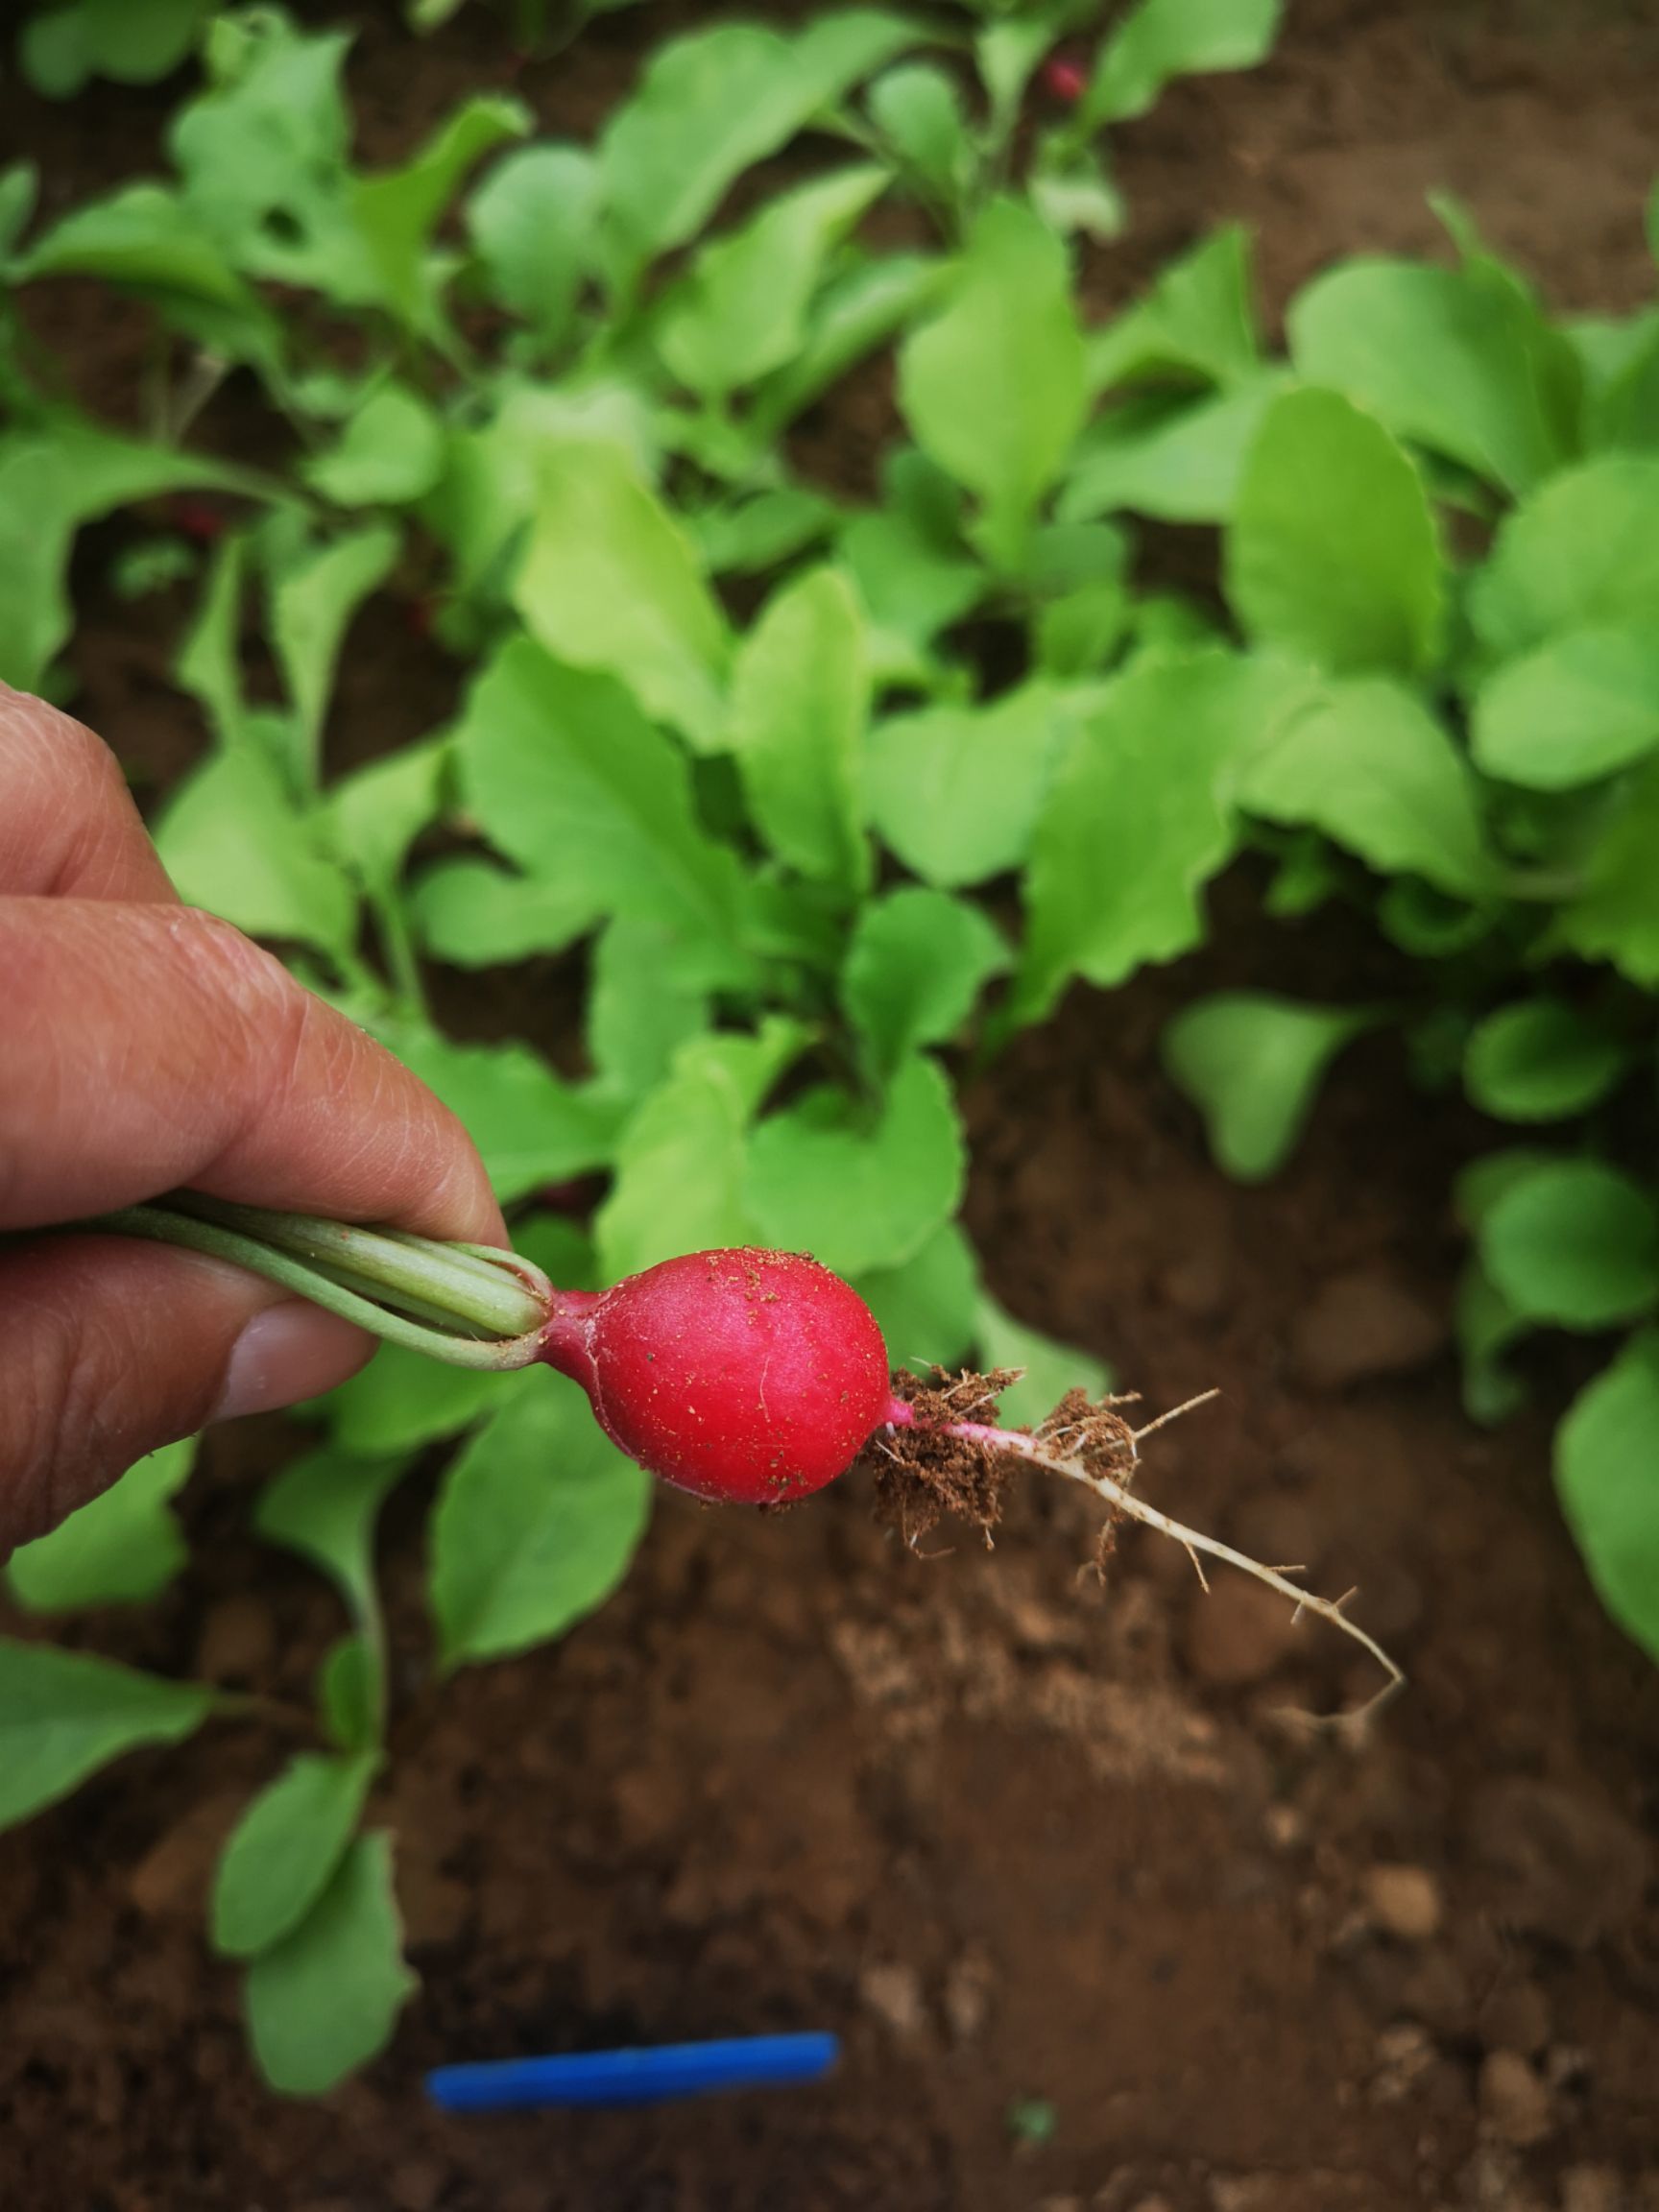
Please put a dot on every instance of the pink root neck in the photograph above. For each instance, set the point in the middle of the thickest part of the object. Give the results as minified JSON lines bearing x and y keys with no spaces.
{"x":564,"y":1340}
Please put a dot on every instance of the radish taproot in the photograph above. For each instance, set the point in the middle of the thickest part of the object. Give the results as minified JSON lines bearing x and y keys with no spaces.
{"x":743,"y":1376}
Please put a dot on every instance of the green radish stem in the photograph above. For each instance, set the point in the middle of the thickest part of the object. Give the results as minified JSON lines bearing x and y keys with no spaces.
{"x":456,"y":1303}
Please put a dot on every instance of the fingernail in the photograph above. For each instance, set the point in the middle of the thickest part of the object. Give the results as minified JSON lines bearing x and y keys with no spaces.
{"x":288,"y":1352}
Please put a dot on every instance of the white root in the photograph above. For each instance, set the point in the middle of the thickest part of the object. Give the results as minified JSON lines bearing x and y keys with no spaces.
{"x":1119,"y":1499}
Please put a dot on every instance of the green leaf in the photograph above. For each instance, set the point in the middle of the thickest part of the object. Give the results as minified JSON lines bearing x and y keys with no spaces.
{"x":402,"y":1400}
{"x":312,"y":602}
{"x":390,"y":452}
{"x":915,"y":966}
{"x":1149,"y":779}
{"x":855,"y":312}
{"x":860,"y":1197}
{"x":233,"y":841}
{"x":530,"y":1126}
{"x":711,"y":103}
{"x":956,"y":791}
{"x":1188,"y":467}
{"x":1199,"y":320}
{"x":51,"y":482}
{"x":911,"y":581}
{"x":1616,"y":915}
{"x":1487,"y":1326}
{"x":144,"y":235}
{"x":376,"y":813}
{"x":800,"y":700}
{"x":135,"y":45}
{"x":535,"y":1526}
{"x":1368,"y":764}
{"x":394,"y":214}
{"x":742,"y":311}
{"x":611,"y":582}
{"x":325,"y":1999}
{"x":993,"y":387}
{"x":348,"y":1692}
{"x":285,"y":1850}
{"x":1539,"y":1061}
{"x":532,"y":224}
{"x":1252,"y":1064}
{"x":1452,"y":359}
{"x":121,"y":1548}
{"x":1573,"y":1243}
{"x":1159,"y":40}
{"x":479,"y":916}
{"x":571,"y":781}
{"x":749,"y":536}
{"x":263,"y":151}
{"x":644,"y":1004}
{"x":1334,"y":550}
{"x":209,"y":663}
{"x":928,"y":1308}
{"x":918,"y":111}
{"x":1578,"y":708}
{"x":64,"y":1713}
{"x":323,"y":1505}
{"x":1582,"y":551}
{"x":681,"y":1157}
{"x":1606,"y":1451}
{"x":1051,"y":1368}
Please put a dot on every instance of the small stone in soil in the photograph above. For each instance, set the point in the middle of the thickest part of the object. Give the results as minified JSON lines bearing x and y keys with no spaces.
{"x":893,"y":1993}
{"x":1514,"y":2100}
{"x":967,"y":1996}
{"x":1404,"y":1901}
{"x":1362,"y":1326}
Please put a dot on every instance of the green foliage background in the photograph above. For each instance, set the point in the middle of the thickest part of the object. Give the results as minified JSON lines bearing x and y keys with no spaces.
{"x":566,"y":432}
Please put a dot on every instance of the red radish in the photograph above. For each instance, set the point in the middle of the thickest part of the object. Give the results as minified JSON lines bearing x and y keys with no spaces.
{"x":744,"y":1375}
{"x":1065,"y":78}
{"x":748,"y":1377}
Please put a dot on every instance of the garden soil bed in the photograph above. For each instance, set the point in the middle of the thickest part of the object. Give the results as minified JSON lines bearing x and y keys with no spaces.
{"x":1100,"y":1930}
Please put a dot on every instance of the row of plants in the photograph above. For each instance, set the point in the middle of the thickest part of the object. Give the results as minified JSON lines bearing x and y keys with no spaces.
{"x":753,"y":750}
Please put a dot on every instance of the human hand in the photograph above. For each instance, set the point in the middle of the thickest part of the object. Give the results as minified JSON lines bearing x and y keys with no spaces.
{"x":145,"y":1047}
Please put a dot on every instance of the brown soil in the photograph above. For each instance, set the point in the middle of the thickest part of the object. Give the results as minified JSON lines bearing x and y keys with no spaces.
{"x":1018,"y":1837}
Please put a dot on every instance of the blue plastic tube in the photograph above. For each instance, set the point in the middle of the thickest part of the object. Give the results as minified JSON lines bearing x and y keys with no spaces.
{"x":640,"y":2076}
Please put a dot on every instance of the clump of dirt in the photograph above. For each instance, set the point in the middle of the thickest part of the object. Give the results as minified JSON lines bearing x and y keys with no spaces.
{"x":927,"y":1469}
{"x":955,"y":1457}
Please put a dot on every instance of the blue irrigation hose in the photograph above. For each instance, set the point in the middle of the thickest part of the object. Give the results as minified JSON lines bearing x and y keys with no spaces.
{"x":641,"y":2077}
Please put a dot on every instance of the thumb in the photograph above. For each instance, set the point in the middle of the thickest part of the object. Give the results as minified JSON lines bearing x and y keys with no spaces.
{"x":113,"y":1347}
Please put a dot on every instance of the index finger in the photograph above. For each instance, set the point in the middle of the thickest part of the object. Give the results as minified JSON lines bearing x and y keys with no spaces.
{"x":149,"y":1047}
{"x":69,"y":827}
